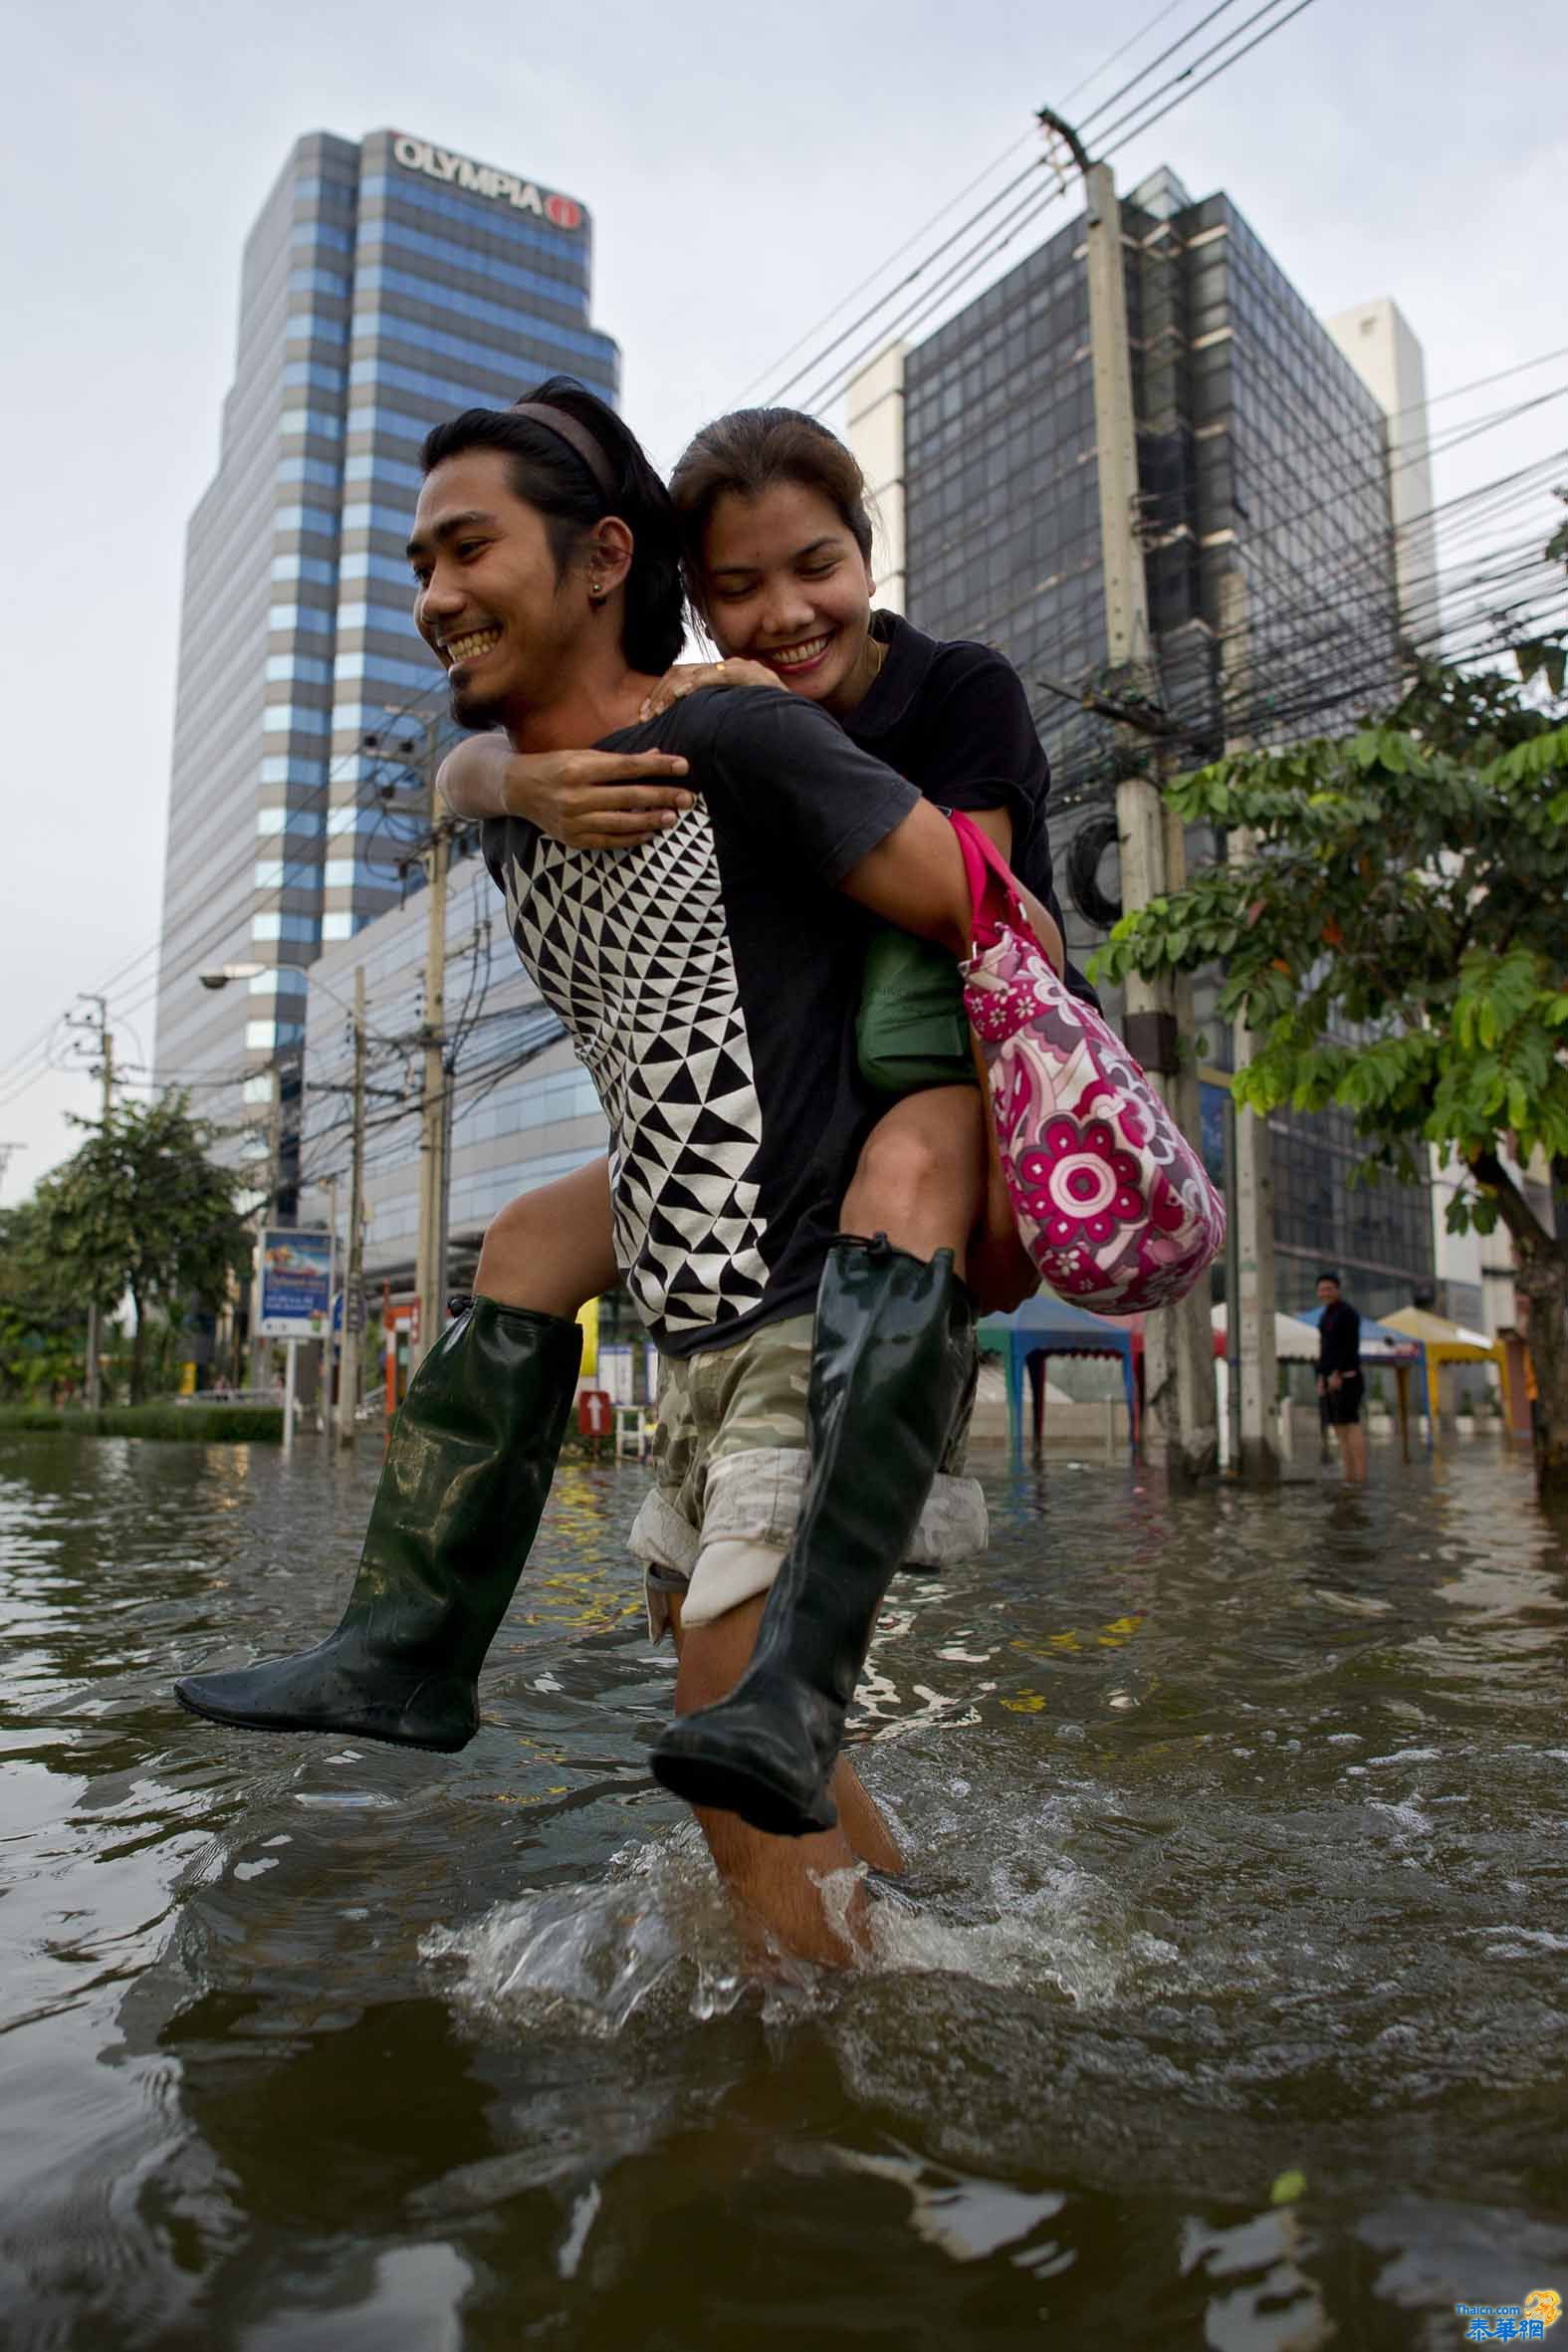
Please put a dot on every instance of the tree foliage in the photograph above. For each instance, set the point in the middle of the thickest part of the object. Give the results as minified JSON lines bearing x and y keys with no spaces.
{"x":43,"y":1309}
{"x":1396,"y":936}
{"x":141,"y":1208}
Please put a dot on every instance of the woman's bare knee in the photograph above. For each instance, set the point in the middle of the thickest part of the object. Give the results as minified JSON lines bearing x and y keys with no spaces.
{"x":921,"y":1175}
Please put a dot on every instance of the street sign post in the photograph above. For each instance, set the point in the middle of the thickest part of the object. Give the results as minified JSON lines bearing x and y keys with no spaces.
{"x":595,"y":1413}
{"x":293,"y":1291}
{"x":294,"y":1281}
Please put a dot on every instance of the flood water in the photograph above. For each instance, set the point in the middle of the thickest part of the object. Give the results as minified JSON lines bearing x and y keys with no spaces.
{"x":1236,"y":1831}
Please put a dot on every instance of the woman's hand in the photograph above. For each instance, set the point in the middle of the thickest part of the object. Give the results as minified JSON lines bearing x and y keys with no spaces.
{"x":689,"y":677}
{"x":997,"y":1268}
{"x":592,"y":800}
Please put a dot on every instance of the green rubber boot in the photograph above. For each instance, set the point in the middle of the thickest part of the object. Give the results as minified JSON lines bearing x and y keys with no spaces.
{"x":469,"y":1466}
{"x":890,"y":1368}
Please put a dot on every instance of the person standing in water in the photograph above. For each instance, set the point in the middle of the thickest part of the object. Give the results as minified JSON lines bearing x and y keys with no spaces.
{"x":545,"y":553}
{"x":1339,"y":1379}
{"x":777,"y":547}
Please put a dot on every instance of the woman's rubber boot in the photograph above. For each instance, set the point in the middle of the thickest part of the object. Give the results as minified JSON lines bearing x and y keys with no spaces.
{"x":890,"y":1368}
{"x":468,"y":1467}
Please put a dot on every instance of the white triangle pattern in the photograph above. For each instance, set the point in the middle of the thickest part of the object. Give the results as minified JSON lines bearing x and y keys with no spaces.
{"x":630,"y":948}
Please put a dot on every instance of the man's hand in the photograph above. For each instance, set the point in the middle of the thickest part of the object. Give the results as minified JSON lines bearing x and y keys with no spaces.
{"x":591,"y":801}
{"x":690,"y":677}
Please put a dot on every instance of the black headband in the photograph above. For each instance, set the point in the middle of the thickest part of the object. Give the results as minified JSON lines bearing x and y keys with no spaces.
{"x":576,"y":438}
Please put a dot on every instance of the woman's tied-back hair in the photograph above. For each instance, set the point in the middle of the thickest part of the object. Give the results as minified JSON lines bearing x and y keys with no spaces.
{"x":748,"y":452}
{"x":548,"y":473}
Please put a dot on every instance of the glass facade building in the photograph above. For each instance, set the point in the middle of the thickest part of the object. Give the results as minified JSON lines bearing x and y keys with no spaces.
{"x":385,"y":283}
{"x":1269,"y":562}
{"x":521,"y":1108}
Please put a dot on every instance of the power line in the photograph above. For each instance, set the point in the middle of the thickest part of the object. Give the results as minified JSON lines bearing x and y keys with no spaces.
{"x":1110,"y":131}
{"x":891,"y":295}
{"x":951,"y":205}
{"x":144,"y":991}
{"x":929,"y":301}
{"x":1222,"y":8}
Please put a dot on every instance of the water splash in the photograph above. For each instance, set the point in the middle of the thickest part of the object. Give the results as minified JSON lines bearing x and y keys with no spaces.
{"x":990,"y":1903}
{"x":654,"y":1934}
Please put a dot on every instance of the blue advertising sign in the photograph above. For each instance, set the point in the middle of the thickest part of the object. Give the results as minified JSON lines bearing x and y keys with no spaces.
{"x":293,"y":1278}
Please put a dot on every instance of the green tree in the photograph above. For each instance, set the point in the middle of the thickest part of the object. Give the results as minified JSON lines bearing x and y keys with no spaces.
{"x":1397,"y":936}
{"x":142,"y":1209}
{"x":43,"y":1309}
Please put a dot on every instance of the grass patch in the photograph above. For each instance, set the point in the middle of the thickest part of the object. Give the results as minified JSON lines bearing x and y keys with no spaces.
{"x":203,"y":1425}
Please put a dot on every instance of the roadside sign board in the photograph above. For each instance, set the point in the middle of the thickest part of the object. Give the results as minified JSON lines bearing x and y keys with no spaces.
{"x":595,"y":1412}
{"x":293,"y":1282}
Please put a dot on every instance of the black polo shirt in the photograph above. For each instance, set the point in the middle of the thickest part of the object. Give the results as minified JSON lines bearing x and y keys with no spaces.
{"x":954,"y":720}
{"x":1339,"y":1340}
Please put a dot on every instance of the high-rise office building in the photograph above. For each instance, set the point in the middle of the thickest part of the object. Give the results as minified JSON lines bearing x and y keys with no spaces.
{"x":1269,"y":558}
{"x":385,"y":285}
{"x":1378,"y":340}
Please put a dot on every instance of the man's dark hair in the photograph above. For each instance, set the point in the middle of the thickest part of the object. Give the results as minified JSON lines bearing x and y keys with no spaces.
{"x":548,"y":473}
{"x":1329,"y":1276}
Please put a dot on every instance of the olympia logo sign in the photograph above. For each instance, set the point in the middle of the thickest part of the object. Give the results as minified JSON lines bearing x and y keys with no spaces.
{"x":482,"y":179}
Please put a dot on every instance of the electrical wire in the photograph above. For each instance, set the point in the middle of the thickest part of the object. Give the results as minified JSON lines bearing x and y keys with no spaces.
{"x":316,"y":800}
{"x":952,"y":202}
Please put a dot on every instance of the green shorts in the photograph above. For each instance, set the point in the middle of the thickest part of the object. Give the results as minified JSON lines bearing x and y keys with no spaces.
{"x":912,"y":1029}
{"x":730,"y":1466}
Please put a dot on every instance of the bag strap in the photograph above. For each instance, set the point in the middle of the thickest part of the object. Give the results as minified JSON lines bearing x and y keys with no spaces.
{"x":992,"y":886}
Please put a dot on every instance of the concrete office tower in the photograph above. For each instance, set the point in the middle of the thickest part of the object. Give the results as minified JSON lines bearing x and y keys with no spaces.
{"x":1267,"y":528}
{"x":1376,"y":339}
{"x":385,"y":284}
{"x":875,"y":432}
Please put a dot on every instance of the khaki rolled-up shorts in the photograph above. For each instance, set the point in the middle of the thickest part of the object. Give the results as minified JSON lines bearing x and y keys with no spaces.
{"x":730,"y":1466}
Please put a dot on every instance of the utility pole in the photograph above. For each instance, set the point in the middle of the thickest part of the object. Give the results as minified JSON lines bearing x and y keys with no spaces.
{"x":1178,"y":1346}
{"x":422,"y":759}
{"x":93,"y":1387}
{"x":434,"y":1129}
{"x":1250,"y":1308}
{"x":354,"y":1277}
{"x":261,"y":1349}
{"x":325,"y":1372}
{"x":353,"y":1282}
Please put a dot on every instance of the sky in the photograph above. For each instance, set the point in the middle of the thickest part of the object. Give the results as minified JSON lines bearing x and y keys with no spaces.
{"x":745,"y":171}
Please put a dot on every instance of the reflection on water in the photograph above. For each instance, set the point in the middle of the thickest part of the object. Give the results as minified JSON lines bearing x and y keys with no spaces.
{"x":1224,"y":2003}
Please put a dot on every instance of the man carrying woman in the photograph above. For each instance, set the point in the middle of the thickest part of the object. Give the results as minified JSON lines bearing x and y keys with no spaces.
{"x":710,"y":975}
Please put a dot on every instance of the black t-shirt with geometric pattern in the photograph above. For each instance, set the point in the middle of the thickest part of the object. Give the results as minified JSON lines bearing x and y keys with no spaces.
{"x":710,"y":982}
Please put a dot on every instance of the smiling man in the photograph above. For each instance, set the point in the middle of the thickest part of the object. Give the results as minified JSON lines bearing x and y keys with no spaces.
{"x":710,"y":980}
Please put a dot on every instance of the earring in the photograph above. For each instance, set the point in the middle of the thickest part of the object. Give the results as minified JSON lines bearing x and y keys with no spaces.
{"x":596,"y":591}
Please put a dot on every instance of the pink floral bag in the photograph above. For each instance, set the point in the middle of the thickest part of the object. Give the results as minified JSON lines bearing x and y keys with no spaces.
{"x":1112,"y":1202}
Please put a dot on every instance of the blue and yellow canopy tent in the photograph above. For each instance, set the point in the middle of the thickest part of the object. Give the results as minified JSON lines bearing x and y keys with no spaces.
{"x":1443,"y":1342}
{"x":1045,"y":1326}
